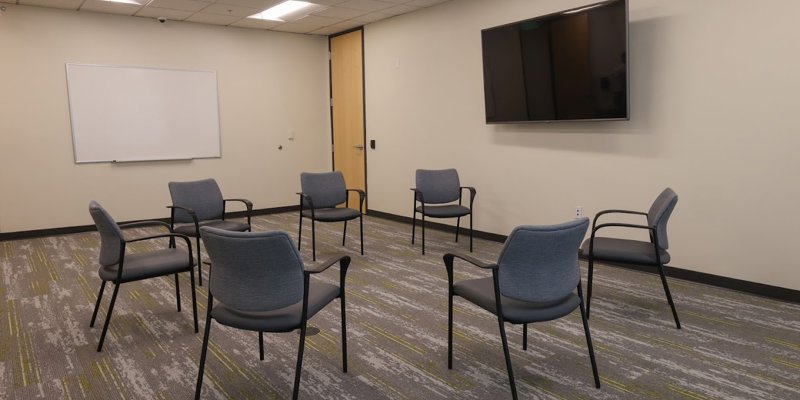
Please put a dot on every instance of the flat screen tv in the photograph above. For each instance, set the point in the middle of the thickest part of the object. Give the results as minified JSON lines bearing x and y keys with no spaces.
{"x":566,"y":66}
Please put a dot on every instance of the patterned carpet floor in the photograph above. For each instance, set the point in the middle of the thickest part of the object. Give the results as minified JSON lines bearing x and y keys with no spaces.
{"x":732,"y":345}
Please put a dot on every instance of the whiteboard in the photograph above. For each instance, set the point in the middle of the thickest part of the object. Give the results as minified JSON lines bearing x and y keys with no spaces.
{"x":122,"y":113}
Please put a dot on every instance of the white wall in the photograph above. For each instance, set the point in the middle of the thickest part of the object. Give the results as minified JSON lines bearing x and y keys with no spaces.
{"x":269,"y":84}
{"x":714,"y":105}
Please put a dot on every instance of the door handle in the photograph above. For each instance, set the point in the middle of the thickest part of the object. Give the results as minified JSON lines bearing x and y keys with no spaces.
{"x":359,"y":146}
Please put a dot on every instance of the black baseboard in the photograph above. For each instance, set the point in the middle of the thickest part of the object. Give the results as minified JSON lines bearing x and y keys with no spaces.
{"x":439,"y":227}
{"x":760,"y":289}
{"x":36,"y":233}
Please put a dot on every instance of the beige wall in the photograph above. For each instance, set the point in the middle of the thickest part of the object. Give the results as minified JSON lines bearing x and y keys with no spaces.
{"x":269,"y":84}
{"x":714,"y":105}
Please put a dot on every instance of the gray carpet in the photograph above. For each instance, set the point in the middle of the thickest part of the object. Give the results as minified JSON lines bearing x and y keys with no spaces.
{"x":733,"y":345}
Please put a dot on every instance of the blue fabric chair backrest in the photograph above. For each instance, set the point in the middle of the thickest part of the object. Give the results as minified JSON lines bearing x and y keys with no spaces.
{"x":253,"y":271}
{"x":327,"y":189}
{"x":438,"y":186}
{"x":203,"y":196}
{"x":659,"y":215}
{"x":110,"y":235}
{"x":540,"y":263}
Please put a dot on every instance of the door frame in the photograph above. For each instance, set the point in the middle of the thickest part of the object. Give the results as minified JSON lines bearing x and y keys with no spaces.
{"x":364,"y":105}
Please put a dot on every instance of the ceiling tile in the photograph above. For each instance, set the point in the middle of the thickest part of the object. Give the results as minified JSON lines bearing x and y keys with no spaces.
{"x":327,"y":2}
{"x":261,"y":5}
{"x":184,"y":5}
{"x":214,"y":19}
{"x":256,"y":23}
{"x":294,"y":28}
{"x":328,"y":30}
{"x":317,"y":20}
{"x":366,"y":5}
{"x":155,"y":12}
{"x":347,"y":24}
{"x":425,"y":3}
{"x":401,"y":9}
{"x":227,"y":9}
{"x":372,"y":17}
{"x":109,"y":7}
{"x":341,"y":13}
{"x":65,"y":4}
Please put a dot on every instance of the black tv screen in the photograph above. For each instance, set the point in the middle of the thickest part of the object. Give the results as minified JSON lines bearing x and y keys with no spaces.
{"x":566,"y":66}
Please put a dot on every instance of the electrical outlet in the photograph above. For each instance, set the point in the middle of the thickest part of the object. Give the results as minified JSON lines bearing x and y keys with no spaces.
{"x":578,"y":211}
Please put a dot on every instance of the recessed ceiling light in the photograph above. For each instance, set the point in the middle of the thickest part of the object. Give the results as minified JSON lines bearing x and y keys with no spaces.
{"x":288,"y":11}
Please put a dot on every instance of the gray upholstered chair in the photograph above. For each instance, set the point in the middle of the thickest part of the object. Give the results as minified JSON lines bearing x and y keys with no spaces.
{"x":200,"y":203}
{"x":260,"y":284}
{"x":625,"y":251}
{"x":320,"y":195}
{"x":434,"y":189}
{"x":534,"y":280}
{"x":118,"y":266}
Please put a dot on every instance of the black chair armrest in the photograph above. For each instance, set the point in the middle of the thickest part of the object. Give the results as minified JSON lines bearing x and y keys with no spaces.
{"x":622,"y":225}
{"x":188,"y":210}
{"x":307,"y":198}
{"x":361,"y":196}
{"x":418,"y":196}
{"x":141,"y":224}
{"x":322,"y":266}
{"x":472,"y":193}
{"x":247,"y":203}
{"x":448,"y":260}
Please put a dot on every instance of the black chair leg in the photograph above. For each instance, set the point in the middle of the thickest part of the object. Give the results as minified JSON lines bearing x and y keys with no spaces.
{"x":423,"y":234}
{"x":299,"y":361}
{"x":178,"y":292}
{"x":97,"y":303}
{"x":470,"y":232}
{"x":458,"y":227}
{"x":361,"y":231}
{"x":589,"y":289}
{"x":199,"y":262}
{"x":584,"y":317}
{"x":344,"y":335}
{"x":313,"y":241}
{"x":203,"y":356}
{"x":450,"y":330}
{"x":261,"y":346}
{"x":524,"y":336}
{"x":108,"y":317}
{"x":508,"y":357}
{"x":669,"y":296}
{"x":414,"y":223}
{"x":300,"y":232}
{"x":344,"y":233}
{"x":194,"y":299}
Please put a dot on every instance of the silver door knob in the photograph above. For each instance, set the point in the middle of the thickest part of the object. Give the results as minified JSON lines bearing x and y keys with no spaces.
{"x":359,"y":146}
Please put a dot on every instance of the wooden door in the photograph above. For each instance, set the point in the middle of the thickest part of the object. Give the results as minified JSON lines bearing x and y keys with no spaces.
{"x":347,"y":110}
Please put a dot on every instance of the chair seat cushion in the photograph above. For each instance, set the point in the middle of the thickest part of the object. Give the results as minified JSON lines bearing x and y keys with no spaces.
{"x":137,"y":266}
{"x":447,"y":211}
{"x":481,"y":292}
{"x":333,"y":214}
{"x":281,"y":320}
{"x":624,"y":251}
{"x":228,"y":225}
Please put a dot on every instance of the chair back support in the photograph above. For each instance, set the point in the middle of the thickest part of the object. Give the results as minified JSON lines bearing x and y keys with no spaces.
{"x":327,"y":189}
{"x":540,"y":263}
{"x":110,"y":235}
{"x":438,"y":186}
{"x":659,"y":215}
{"x":253,"y":271}
{"x":203,"y":196}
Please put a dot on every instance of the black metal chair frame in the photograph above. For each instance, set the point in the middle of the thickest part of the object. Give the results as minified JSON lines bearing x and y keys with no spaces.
{"x":652,"y":229}
{"x":118,"y":281}
{"x":191,"y":212}
{"x":344,"y":263}
{"x":361,"y":196}
{"x":419,"y":197}
{"x":448,"y":262}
